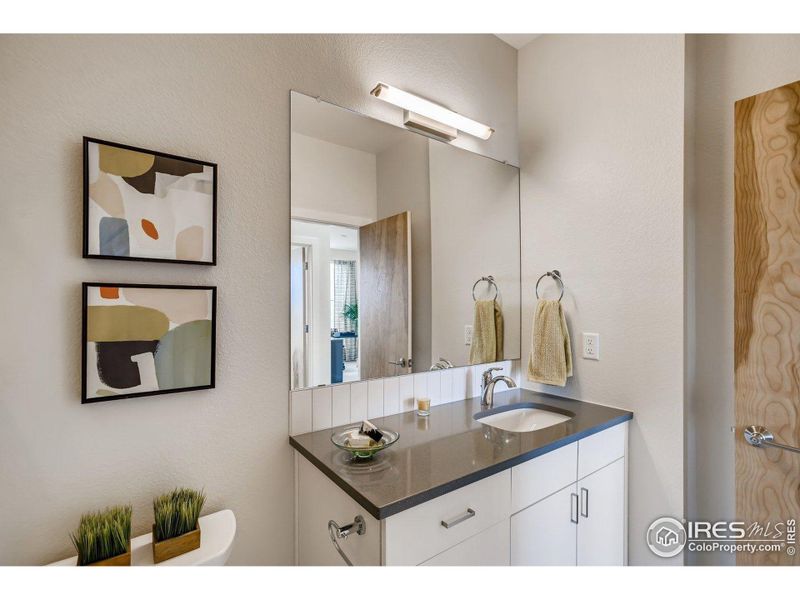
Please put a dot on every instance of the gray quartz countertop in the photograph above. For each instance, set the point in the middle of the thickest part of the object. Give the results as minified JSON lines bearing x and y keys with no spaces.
{"x":447,"y":450}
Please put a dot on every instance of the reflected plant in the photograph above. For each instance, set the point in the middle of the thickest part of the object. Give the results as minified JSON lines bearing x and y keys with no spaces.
{"x":351,"y":312}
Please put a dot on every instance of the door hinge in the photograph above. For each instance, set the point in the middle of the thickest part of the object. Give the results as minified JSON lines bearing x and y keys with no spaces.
{"x":305,"y":266}
{"x":306,"y":328}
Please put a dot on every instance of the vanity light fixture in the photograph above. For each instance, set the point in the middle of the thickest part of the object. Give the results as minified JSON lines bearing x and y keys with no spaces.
{"x":430,"y":117}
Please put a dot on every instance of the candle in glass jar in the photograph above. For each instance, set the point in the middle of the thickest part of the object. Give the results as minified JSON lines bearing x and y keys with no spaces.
{"x":423,"y":407}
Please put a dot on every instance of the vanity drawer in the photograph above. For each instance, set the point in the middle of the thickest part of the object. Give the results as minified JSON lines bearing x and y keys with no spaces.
{"x":417,"y":534}
{"x":489,"y":548}
{"x":541,"y":476}
{"x":601,"y":449}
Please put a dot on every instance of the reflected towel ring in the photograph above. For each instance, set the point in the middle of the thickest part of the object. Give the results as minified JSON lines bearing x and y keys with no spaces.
{"x":556,"y":275}
{"x":491,"y":282}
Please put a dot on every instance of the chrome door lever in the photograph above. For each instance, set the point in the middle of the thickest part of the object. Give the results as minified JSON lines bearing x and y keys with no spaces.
{"x":759,"y":436}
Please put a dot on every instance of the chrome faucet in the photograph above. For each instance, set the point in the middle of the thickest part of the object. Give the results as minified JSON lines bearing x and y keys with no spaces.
{"x":487,"y":385}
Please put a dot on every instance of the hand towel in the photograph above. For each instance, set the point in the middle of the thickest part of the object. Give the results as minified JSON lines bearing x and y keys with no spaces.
{"x":551,"y":352}
{"x":487,"y":333}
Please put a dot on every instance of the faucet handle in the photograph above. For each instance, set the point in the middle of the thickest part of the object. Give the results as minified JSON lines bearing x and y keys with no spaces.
{"x":487,"y":374}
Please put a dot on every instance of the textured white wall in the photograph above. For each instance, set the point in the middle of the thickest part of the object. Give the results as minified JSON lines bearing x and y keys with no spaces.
{"x":601,"y":148}
{"x":728,"y":68}
{"x":221,"y":98}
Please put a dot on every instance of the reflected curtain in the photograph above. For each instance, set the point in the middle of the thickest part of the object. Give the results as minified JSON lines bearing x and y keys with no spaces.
{"x":345,"y":293}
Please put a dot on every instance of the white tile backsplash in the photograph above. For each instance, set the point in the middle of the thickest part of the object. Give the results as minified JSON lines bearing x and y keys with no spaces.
{"x":458,"y":380}
{"x":321,"y":407}
{"x":446,"y":386}
{"x":375,"y":399}
{"x":435,"y":387}
{"x":421,"y":385}
{"x":407,"y":393}
{"x":341,"y":405}
{"x":332,"y":406}
{"x":391,"y":396}
{"x":359,"y":401}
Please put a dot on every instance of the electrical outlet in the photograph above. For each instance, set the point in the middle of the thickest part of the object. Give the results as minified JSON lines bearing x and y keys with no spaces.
{"x":591,"y":346}
{"x":468,"y":335}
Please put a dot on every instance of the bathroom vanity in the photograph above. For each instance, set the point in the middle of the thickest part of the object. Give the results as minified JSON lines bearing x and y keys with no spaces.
{"x":457,"y":491}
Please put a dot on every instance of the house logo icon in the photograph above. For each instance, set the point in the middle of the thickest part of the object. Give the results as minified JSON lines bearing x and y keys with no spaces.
{"x":666,"y":537}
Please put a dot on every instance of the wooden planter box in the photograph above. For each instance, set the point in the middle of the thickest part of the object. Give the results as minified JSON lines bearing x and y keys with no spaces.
{"x":166,"y":549}
{"x":120,"y":560}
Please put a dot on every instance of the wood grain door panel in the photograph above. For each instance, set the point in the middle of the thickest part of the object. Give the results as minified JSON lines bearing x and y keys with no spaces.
{"x":385,"y":296}
{"x":767,"y":307}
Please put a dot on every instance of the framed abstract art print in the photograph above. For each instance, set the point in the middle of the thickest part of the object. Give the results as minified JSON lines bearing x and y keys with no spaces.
{"x":142,"y":340}
{"x":145,"y":205}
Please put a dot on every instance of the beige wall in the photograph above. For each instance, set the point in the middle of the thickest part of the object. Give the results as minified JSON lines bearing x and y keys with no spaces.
{"x":224,"y":99}
{"x":332,"y":183}
{"x":728,"y":68}
{"x":601,"y":149}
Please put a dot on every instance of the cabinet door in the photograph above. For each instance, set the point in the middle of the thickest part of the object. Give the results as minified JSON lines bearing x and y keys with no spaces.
{"x":544,"y":534}
{"x":490,"y":548}
{"x":601,"y":527}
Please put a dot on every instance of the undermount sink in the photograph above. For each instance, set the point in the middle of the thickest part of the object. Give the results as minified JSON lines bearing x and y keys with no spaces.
{"x":522,"y":417}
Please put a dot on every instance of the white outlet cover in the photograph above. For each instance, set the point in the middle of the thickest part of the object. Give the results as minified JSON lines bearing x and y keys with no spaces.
{"x":467,"y":335}
{"x":591,"y":346}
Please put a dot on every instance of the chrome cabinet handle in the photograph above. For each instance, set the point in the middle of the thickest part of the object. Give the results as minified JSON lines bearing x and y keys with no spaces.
{"x":452,"y":523}
{"x":584,"y":502}
{"x":573,"y":508}
{"x":759,"y":436}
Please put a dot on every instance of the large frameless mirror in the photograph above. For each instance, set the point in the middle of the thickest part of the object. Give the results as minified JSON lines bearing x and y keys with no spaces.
{"x":405,"y":250}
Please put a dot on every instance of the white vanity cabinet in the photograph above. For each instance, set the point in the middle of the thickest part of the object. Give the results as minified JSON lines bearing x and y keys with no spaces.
{"x":565,"y":507}
{"x":584,"y":522}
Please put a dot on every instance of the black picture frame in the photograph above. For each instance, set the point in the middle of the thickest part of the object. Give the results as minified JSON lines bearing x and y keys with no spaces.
{"x":213,"y":367}
{"x":86,"y":141}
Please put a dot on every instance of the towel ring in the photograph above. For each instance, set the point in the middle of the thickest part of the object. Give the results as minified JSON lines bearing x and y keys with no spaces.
{"x":491,"y":282}
{"x":556,"y":275}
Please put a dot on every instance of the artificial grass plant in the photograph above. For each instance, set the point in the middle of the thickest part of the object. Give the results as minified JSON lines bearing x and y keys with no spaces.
{"x":177,"y":512}
{"x":103,"y":534}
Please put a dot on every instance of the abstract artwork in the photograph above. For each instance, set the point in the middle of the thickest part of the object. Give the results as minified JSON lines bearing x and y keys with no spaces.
{"x":144,"y":205}
{"x":141,"y":340}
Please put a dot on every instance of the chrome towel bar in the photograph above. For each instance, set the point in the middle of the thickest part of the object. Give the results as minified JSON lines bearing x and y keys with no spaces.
{"x":758,"y":436}
{"x":337,"y":532}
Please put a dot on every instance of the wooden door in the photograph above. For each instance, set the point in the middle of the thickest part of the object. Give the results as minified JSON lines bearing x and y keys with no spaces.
{"x":384,"y":304}
{"x":767,"y":308}
{"x":545,"y":534}
{"x":601,"y":524}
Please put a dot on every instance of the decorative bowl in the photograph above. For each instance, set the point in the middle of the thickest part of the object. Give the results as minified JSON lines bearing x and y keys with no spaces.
{"x":341,"y":439}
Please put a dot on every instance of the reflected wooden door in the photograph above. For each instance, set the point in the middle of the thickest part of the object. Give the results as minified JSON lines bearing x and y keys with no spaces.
{"x":385,"y":297}
{"x":767,"y":309}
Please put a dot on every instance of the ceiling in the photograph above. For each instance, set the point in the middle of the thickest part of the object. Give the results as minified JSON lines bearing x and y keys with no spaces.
{"x":517,"y":40}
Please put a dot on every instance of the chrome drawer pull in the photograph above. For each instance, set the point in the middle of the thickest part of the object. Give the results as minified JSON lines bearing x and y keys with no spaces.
{"x":584,"y":502}
{"x":573,"y":508}
{"x":467,"y":515}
